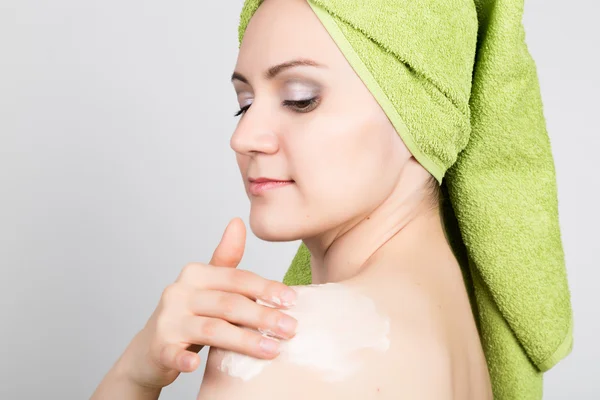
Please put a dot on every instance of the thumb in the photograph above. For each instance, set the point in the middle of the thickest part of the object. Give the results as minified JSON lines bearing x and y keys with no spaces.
{"x":230,"y":249}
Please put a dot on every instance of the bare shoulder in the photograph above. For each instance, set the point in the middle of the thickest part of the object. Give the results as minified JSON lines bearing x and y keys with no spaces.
{"x":349,"y":344}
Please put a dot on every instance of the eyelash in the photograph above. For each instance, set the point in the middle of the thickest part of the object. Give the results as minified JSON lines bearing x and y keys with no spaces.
{"x":288,"y":103}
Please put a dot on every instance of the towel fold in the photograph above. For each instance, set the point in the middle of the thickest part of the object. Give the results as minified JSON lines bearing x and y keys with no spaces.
{"x":456,"y":80}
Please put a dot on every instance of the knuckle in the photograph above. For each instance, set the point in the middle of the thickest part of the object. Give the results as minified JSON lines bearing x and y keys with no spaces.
{"x":240,"y":278}
{"x":171,"y":292}
{"x":189,"y":272}
{"x":268,"y":317}
{"x":210,"y":328}
{"x":231,"y":275}
{"x":249,"y":339}
{"x":228,"y":303}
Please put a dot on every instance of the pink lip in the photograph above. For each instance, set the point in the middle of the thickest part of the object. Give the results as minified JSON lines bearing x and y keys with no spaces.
{"x":260,"y":186}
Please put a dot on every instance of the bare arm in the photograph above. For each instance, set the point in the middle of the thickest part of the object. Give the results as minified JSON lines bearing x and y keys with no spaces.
{"x":208,"y":304}
{"x":117,"y":385}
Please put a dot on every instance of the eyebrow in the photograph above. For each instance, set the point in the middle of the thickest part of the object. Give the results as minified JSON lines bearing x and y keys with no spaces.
{"x":276,"y":69}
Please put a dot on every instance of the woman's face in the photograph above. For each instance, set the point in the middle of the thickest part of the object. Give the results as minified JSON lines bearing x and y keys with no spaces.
{"x":317,"y":126}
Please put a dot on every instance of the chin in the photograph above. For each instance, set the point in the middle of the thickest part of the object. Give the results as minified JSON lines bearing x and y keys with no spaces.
{"x":273,"y":226}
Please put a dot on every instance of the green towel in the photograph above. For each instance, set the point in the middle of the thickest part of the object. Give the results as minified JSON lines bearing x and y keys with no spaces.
{"x":456,"y":80}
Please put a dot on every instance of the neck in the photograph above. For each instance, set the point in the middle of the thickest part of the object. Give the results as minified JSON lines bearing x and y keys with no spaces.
{"x":401,"y":226}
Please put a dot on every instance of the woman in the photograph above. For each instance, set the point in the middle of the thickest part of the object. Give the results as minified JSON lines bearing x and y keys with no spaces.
{"x":353,"y":179}
{"x":343,"y":181}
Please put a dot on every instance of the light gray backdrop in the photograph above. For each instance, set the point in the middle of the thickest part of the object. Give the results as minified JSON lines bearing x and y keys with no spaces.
{"x":116,"y":171}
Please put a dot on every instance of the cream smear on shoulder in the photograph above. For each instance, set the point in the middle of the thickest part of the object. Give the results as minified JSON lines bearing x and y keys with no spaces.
{"x":334,"y":321}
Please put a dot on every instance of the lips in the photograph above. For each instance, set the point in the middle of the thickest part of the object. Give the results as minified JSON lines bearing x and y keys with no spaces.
{"x":260,"y":185}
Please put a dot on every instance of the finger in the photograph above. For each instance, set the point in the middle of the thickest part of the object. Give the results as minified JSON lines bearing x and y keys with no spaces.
{"x":230,"y":249}
{"x":244,"y":282}
{"x":224,"y":335}
{"x":172,"y":356}
{"x":238,"y":309}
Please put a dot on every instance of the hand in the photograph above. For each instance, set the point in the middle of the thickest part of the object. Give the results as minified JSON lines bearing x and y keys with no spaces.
{"x":209,"y":304}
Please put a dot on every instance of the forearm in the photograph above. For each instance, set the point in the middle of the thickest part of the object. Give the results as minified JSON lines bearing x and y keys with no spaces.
{"x":116,"y":385}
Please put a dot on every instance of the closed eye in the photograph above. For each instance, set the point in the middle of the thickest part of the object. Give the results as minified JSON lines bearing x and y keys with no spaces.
{"x":300,"y":106}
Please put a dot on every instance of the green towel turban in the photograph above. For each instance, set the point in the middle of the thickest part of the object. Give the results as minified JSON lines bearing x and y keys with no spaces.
{"x":457,"y":82}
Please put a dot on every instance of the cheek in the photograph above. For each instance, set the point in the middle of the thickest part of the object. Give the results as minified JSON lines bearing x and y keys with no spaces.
{"x":340,"y":165}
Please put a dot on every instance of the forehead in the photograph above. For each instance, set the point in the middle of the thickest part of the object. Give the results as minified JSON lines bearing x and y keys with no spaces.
{"x":282,"y":30}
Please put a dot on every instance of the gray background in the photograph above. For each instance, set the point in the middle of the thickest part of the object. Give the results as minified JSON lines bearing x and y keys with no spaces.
{"x":116,"y":171}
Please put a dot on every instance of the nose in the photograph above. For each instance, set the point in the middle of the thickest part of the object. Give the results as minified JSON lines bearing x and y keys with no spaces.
{"x":254,"y":134}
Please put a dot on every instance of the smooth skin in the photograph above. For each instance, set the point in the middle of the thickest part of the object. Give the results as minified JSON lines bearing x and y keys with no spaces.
{"x":205,"y":306}
{"x":359,"y":201}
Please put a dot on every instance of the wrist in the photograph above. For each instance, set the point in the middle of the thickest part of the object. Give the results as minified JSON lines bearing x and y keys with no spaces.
{"x":123,"y":371}
{"x":119,"y":385}
{"x":127,"y":365}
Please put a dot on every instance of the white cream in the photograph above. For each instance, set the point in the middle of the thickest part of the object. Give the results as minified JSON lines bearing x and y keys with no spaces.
{"x":334,"y":322}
